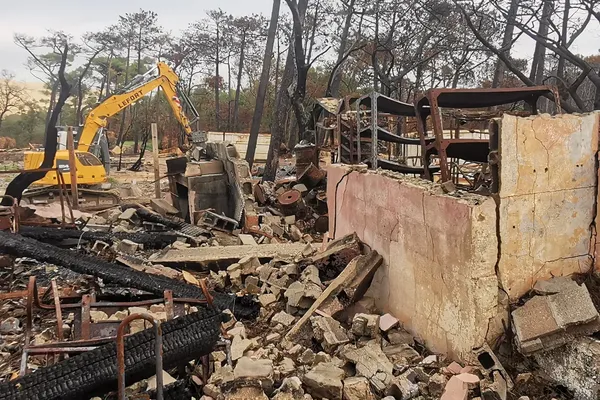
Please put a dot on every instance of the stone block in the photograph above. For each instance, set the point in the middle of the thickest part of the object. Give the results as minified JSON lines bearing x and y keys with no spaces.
{"x":283,"y":318}
{"x":365,"y":325}
{"x":128,"y":247}
{"x":246,"y":239}
{"x":402,"y":354}
{"x":545,"y":322}
{"x":553,"y":285}
{"x":329,"y":333}
{"x":573,"y":306}
{"x":387,"y":322}
{"x":325,"y":381}
{"x":576,"y":365}
{"x":372,"y":363}
{"x":357,"y":388}
{"x":255,"y":370}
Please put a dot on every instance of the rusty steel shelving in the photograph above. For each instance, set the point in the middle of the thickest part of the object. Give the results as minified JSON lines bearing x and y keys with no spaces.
{"x":477,"y":150}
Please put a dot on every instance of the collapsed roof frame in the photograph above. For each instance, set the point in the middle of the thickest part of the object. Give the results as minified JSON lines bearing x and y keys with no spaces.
{"x":430,"y":103}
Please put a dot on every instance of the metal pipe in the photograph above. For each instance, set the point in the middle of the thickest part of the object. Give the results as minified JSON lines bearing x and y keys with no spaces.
{"x":121,"y":353}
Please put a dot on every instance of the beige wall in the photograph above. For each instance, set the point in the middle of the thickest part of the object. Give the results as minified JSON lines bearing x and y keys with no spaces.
{"x":548,"y":182}
{"x":442,"y":269}
{"x":440,"y":253}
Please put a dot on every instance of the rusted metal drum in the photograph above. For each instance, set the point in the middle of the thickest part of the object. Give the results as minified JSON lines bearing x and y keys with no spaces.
{"x":290,"y":201}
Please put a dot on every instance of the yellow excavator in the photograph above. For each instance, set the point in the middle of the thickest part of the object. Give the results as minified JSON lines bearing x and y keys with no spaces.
{"x":91,"y":146}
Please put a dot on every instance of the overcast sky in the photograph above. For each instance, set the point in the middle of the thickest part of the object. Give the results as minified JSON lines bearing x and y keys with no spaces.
{"x":34,"y":17}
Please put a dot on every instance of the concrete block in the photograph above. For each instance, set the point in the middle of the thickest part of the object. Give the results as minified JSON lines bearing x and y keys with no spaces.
{"x":387,"y":322}
{"x":546,"y":322}
{"x":553,"y":285}
{"x":576,"y":365}
{"x":325,"y":381}
{"x":204,"y":168}
{"x":573,"y":306}
{"x":329,"y":333}
{"x":246,"y":239}
{"x":128,"y":247}
{"x":163,"y":207}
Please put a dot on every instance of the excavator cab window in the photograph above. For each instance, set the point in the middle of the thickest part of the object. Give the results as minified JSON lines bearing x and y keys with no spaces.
{"x":87,"y":159}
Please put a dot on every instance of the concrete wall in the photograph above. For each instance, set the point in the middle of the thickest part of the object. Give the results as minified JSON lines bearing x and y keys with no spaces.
{"x":443,"y":269}
{"x":440,"y":253}
{"x":548,"y":179}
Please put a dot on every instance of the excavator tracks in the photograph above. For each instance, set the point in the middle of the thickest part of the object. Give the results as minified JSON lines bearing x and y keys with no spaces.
{"x":88,"y":198}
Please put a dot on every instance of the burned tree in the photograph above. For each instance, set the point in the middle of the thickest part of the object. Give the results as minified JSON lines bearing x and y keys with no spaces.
{"x":23,"y":180}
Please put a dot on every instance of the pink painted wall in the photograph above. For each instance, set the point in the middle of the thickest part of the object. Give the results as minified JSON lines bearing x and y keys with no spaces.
{"x":440,"y":253}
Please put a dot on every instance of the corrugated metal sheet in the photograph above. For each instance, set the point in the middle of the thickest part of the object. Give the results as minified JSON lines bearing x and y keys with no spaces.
{"x":240,"y":141}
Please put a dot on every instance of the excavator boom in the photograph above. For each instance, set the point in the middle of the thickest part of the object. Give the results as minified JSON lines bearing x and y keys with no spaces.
{"x":90,"y":170}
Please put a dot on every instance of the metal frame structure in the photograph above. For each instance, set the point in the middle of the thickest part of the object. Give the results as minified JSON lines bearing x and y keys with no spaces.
{"x":88,"y":335}
{"x":430,"y":104}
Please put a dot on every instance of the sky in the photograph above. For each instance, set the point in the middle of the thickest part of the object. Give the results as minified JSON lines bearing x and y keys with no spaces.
{"x":35,"y":17}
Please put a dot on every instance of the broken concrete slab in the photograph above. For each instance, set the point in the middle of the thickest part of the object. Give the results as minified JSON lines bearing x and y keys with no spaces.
{"x":239,"y":346}
{"x":545,"y":322}
{"x":329,"y":333}
{"x":167,"y":380}
{"x":402,"y":354}
{"x":402,"y":388}
{"x":357,"y":388}
{"x":203,"y":255}
{"x":257,"y":370}
{"x":575,"y":366}
{"x":354,"y":280}
{"x":283,"y":318}
{"x":372,"y":363}
{"x":387,"y":322}
{"x":163,"y":207}
{"x":365,"y":325}
{"x":246,"y":240}
{"x":553,"y":285}
{"x":325,"y":381}
{"x":128,"y":247}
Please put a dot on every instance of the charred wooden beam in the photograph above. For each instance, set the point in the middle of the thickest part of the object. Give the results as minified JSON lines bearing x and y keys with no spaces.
{"x":94,"y":373}
{"x":20,"y":246}
{"x":148,"y":240}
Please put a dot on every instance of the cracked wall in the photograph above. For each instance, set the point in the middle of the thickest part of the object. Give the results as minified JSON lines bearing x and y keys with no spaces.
{"x":440,"y":253}
{"x":548,"y":179}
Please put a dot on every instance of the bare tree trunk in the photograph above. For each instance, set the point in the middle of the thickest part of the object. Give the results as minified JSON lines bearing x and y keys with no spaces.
{"x":560,"y":69}
{"x":229,"y":92}
{"x":236,"y":108}
{"x":121,"y":138}
{"x":506,"y":42}
{"x":337,"y":78}
{"x":136,"y":135}
{"x":53,"y":93}
{"x":539,"y":56}
{"x":217,"y":96}
{"x":263,"y":84}
{"x":282,"y":105}
{"x":313,"y":33}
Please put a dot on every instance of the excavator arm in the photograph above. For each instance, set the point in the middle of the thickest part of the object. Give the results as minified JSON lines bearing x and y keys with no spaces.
{"x":140,"y":87}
